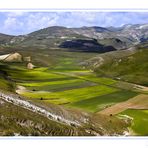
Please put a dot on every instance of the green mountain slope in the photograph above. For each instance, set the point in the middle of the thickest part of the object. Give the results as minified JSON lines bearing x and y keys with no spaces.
{"x":128,"y":65}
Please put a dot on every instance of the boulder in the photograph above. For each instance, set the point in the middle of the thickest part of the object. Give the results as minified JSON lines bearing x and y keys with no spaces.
{"x":30,"y":66}
{"x":14,"y":57}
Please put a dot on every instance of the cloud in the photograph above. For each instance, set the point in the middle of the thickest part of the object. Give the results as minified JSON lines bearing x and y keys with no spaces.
{"x":15,"y":13}
{"x":41,"y":20}
{"x":24,"y":22}
{"x":11,"y":24}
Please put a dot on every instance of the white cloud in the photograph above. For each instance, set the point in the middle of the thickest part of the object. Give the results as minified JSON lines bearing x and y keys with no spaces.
{"x":40,"y":20}
{"x":22,"y":23}
{"x":25,"y":22}
{"x":87,"y":16}
{"x":16,"y":13}
{"x":12,"y":22}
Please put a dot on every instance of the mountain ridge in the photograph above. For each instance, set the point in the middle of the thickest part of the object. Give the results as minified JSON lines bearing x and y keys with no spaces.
{"x":52,"y":37}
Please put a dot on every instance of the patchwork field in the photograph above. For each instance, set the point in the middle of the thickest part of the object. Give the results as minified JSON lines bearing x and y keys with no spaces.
{"x":98,"y":103}
{"x":77,"y":89}
{"x":36,"y":75}
{"x":69,"y":96}
{"x":70,"y":86}
{"x":138,"y":102}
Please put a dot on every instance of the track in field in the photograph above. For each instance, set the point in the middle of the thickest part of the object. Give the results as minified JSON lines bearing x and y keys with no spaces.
{"x":138,"y":102}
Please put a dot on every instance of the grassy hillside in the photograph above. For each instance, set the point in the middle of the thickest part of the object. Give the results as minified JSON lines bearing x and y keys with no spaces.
{"x":5,"y":82}
{"x":124,"y":65}
{"x":18,"y":121}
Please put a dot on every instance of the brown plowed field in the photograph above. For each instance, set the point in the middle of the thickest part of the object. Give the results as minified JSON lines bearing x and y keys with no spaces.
{"x":138,"y":102}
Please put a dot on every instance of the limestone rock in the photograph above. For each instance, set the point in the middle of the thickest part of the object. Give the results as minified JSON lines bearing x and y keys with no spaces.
{"x":30,"y":66}
{"x":14,"y":57}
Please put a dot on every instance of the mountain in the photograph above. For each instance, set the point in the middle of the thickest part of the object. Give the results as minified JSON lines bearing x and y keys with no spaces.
{"x":127,"y":65}
{"x":95,"y":39}
{"x":5,"y":39}
{"x":87,"y":45}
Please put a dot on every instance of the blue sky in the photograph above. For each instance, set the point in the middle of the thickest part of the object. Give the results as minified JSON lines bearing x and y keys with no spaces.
{"x":17,"y":23}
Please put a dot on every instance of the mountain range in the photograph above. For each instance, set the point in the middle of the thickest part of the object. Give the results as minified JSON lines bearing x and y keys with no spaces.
{"x":99,"y":39}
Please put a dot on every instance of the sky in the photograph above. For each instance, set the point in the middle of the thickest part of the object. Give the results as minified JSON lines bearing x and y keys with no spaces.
{"x":18,"y":23}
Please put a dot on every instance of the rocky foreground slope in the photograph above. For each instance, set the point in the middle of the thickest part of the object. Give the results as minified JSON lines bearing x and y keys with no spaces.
{"x":34,"y":119}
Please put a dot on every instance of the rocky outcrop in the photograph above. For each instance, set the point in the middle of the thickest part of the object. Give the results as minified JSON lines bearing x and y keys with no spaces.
{"x":30,"y":66}
{"x":29,"y":106}
{"x":14,"y":57}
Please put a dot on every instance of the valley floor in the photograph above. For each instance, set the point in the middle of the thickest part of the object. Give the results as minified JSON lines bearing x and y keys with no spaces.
{"x":77,"y":91}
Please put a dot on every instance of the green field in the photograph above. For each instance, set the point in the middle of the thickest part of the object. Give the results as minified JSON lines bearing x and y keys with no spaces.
{"x":57,"y":85}
{"x":37,"y":84}
{"x":101,"y":80}
{"x":89,"y":76}
{"x":33,"y":75}
{"x":76,"y":88}
{"x":65,"y":82}
{"x":71,"y":95}
{"x":140,"y":121}
{"x":98,"y":103}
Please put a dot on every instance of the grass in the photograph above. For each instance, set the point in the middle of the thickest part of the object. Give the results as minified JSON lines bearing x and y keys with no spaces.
{"x":98,"y":103}
{"x":100,"y":80}
{"x":67,"y":63}
{"x":39,"y":84}
{"x":134,"y":72}
{"x":71,"y":87}
{"x":89,"y":76}
{"x":72,"y":95}
{"x":6,"y":85}
{"x":140,"y":121}
{"x":16,"y":120}
{"x":19,"y":73}
{"x":61,"y":87}
{"x":35,"y":75}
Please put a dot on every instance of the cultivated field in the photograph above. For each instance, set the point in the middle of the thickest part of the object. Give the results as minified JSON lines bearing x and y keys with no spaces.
{"x":138,"y":102}
{"x":139,"y":121}
{"x":72,"y":88}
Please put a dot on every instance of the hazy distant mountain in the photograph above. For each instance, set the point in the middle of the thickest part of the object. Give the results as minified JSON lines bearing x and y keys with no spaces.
{"x":92,"y":38}
{"x":4,"y":39}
